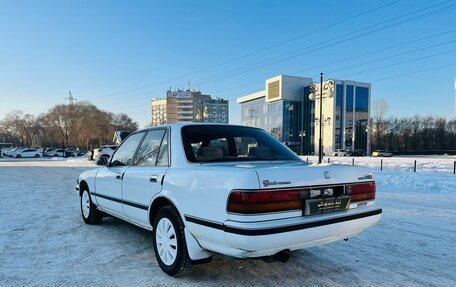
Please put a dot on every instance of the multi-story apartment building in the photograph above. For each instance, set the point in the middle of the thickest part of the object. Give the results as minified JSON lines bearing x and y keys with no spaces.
{"x":188,"y":106}
{"x":284,"y":109}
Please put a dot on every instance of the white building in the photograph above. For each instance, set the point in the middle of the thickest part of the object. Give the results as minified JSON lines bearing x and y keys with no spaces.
{"x":188,"y":106}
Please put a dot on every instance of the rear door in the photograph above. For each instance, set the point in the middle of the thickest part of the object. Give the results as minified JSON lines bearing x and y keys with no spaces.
{"x":108,"y":184}
{"x":143,"y":180}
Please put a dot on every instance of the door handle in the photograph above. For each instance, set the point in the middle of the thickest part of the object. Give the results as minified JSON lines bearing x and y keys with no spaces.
{"x":153,"y":178}
{"x":119,"y":176}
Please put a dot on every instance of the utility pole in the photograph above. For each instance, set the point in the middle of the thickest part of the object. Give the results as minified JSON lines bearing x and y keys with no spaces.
{"x":320,"y":141}
{"x":70,"y":98}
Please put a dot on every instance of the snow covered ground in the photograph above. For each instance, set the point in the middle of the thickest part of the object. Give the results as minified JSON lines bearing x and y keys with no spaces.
{"x":44,"y":242}
{"x":48,"y":161}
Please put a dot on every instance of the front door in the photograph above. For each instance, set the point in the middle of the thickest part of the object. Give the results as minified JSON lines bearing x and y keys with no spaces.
{"x":143,"y":179}
{"x":108,"y":183}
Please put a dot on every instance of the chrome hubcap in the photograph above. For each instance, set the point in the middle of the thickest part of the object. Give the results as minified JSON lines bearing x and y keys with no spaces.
{"x":85,"y":204}
{"x":165,"y":236}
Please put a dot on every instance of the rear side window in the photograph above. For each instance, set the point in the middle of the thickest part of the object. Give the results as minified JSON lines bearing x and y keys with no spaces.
{"x":149,"y":151}
{"x":221,"y":143}
{"x":163,"y":154}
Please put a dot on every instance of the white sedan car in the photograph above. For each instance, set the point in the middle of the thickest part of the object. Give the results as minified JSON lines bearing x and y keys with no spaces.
{"x":105,"y":151}
{"x":28,"y":152}
{"x":57,"y":152}
{"x":234,"y":190}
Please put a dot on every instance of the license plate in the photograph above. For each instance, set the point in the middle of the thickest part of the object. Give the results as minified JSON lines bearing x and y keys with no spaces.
{"x":326,"y":205}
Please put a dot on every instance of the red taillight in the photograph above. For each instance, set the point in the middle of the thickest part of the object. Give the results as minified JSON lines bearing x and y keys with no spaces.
{"x":359,"y":192}
{"x":265,"y":201}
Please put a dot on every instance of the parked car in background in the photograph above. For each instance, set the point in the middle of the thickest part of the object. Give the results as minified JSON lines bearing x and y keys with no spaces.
{"x":356,"y":152}
{"x":81,"y":152}
{"x":48,"y":151}
{"x":57,"y":153}
{"x":233,"y":190}
{"x":105,"y":152}
{"x":11,"y":151}
{"x":14,"y":154}
{"x":28,"y":152}
{"x":339,"y":152}
{"x":5,"y":151}
{"x":382,"y":153}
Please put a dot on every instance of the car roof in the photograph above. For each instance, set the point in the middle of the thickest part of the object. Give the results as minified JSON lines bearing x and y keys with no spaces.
{"x":180,"y":125}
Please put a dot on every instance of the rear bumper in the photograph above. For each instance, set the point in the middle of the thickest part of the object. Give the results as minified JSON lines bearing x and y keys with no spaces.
{"x":256,"y":239}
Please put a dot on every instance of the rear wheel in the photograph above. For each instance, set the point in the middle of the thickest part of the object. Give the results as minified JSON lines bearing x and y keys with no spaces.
{"x":37,"y":155}
{"x":18,"y":156}
{"x":169,"y":242}
{"x":89,"y":212}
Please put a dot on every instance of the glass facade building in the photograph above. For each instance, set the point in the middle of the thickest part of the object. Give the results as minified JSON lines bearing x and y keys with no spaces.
{"x":283,"y":119}
{"x":291,"y":119}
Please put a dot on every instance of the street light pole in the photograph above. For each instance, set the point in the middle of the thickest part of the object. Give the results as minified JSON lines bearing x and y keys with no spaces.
{"x":302,"y":134}
{"x":328,"y":86}
{"x":320,"y":141}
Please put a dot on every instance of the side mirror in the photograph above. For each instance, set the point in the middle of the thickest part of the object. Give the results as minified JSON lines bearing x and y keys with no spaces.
{"x":102,"y":161}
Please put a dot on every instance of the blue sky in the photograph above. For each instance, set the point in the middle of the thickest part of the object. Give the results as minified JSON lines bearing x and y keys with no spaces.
{"x":120,"y":54}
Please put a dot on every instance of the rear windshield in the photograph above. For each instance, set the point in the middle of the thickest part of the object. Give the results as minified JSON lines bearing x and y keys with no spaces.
{"x":214,"y":143}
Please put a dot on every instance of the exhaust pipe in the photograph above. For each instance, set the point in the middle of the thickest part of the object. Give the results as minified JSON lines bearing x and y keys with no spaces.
{"x":281,"y":256}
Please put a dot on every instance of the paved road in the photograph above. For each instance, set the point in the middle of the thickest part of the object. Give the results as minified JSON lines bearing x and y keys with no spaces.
{"x":44,"y":242}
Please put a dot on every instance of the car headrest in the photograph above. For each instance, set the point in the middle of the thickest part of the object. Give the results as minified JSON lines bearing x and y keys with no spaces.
{"x":260,"y":152}
{"x":209,"y":153}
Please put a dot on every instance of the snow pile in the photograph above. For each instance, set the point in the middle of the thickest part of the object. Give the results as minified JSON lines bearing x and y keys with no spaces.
{"x":438,"y":183}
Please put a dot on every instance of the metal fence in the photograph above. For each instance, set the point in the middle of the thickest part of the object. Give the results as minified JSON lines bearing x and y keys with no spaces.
{"x":393,"y":164}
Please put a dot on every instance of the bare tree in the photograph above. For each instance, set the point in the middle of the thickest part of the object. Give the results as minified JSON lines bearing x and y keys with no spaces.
{"x":380,"y":110}
{"x":77,"y":125}
{"x":122,"y":122}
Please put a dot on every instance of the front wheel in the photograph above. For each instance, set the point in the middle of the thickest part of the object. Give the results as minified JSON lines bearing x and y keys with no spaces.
{"x":169,"y":242}
{"x":90,"y":214}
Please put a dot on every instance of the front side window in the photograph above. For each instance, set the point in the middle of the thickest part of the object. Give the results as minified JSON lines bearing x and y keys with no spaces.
{"x":218,"y":143}
{"x":124,"y":154}
{"x":150,"y":149}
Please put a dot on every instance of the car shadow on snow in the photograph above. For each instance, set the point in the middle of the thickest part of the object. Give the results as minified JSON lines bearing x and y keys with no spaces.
{"x":305,"y":263}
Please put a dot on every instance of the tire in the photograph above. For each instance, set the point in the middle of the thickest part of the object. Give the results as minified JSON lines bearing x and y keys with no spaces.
{"x":37,"y":156}
{"x":18,"y":156}
{"x":105,"y":157}
{"x":89,"y":212}
{"x":174,"y":261}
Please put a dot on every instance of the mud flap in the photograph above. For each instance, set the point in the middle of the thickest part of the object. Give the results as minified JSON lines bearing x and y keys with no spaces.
{"x":196,"y":253}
